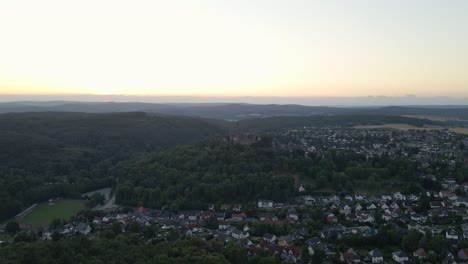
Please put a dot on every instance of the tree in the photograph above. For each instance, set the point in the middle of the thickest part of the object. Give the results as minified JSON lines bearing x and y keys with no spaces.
{"x":95,"y":199}
{"x":12,"y":227}
{"x":134,"y":227}
{"x":55,"y":223}
{"x":24,"y":237}
{"x":116,"y":228}
{"x":235,"y":253}
{"x":438,"y":244}
{"x":410,"y":242}
{"x":267,"y":260}
{"x":318,"y":257}
{"x":305,"y":259}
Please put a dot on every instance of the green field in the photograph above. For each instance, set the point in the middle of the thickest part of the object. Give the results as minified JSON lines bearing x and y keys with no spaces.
{"x":395,"y":126}
{"x":459,"y":130}
{"x":45,"y":213}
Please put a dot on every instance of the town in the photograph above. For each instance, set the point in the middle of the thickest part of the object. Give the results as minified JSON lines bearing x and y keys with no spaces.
{"x":315,"y":227}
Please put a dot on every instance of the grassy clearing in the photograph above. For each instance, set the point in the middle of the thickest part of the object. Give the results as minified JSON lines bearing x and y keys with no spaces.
{"x":45,"y":213}
{"x":394,"y":126}
{"x":436,"y":118}
{"x":460,"y":130}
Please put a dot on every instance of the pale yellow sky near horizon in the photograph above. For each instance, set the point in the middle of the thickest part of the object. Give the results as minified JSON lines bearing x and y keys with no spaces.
{"x":234,"y":48}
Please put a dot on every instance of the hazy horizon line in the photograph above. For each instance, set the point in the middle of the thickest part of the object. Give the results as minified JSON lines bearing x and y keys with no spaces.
{"x":306,"y":100}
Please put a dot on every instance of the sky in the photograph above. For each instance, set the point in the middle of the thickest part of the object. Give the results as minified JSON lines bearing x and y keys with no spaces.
{"x":212,"y":48}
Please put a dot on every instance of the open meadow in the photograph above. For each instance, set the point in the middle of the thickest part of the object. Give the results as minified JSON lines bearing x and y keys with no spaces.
{"x":460,"y":130}
{"x":44,"y":213}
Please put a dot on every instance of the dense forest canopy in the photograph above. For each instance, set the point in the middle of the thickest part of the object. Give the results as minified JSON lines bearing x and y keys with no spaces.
{"x":49,"y":155}
{"x":189,"y":177}
{"x":121,"y":249}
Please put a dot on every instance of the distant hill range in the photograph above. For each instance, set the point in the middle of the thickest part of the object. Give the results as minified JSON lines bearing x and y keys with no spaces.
{"x":44,"y":136}
{"x":238,"y":111}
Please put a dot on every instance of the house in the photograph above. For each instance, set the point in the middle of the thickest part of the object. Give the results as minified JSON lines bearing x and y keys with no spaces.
{"x":301,"y":189}
{"x":350,"y":256}
{"x":461,"y":201}
{"x":300,"y":232}
{"x":97,"y":220}
{"x":286,"y":240}
{"x":418,"y":218}
{"x":314,"y":244}
{"x":410,"y":211}
{"x":331,"y":218}
{"x":237,"y":217}
{"x":223,"y":225}
{"x":345,"y":209}
{"x":225,"y":207}
{"x":270,"y":238}
{"x":465,"y":186}
{"x":420,"y":254}
{"x":447,"y":194}
{"x":237,"y":234}
{"x":359,"y":197}
{"x":364,"y":217}
{"x":309,"y":200}
{"x":371,"y":207}
{"x":413,"y":198}
{"x":386,"y":216}
{"x":83,"y":228}
{"x":400,"y":256}
{"x":265,"y":204}
{"x":463,"y":254}
{"x":373,"y":199}
{"x":394,"y":205}
{"x":220,"y":216}
{"x":167,"y":224}
{"x":189,"y":233}
{"x":451,"y":234}
{"x":435,"y":204}
{"x":399,"y":197}
{"x":45,"y":236}
{"x":367,"y":219}
{"x":376,"y":256}
{"x":237,"y":208}
{"x":193,"y":216}
{"x":358,"y":207}
{"x":386,"y":197}
{"x":292,"y":214}
{"x":333,"y":232}
{"x":267,"y":216}
{"x":449,"y":258}
{"x":223,"y":237}
{"x":464,"y":227}
{"x":408,"y":204}
{"x":436,"y":230}
{"x":449,"y":183}
{"x":335,"y":199}
{"x":429,"y":177}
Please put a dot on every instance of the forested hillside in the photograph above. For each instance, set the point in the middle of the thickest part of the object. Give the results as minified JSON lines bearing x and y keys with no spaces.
{"x":189,"y":177}
{"x":48,"y":155}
